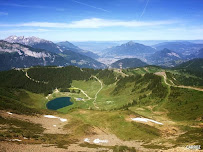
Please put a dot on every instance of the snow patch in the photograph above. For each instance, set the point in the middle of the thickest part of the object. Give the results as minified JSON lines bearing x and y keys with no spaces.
{"x":9,"y":113}
{"x":97,"y":141}
{"x":87,"y":140}
{"x":50,"y":116}
{"x":146,"y":120}
{"x":61,"y":119}
{"x":15,"y":140}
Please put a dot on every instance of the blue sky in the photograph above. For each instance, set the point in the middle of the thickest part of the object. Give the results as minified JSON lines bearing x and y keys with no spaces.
{"x":102,"y":20}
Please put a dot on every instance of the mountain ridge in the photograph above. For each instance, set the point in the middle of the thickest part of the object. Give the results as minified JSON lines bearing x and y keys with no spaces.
{"x":15,"y":55}
{"x":21,"y":56}
{"x":130,"y":48}
{"x":128,"y":63}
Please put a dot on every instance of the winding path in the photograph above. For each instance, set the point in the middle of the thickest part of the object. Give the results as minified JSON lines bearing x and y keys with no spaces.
{"x":95,"y":98}
{"x":82,"y":92}
{"x":181,"y":86}
{"x":26,"y":74}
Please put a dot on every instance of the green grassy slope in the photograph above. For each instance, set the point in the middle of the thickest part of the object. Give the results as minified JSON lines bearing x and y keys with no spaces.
{"x":141,"y":93}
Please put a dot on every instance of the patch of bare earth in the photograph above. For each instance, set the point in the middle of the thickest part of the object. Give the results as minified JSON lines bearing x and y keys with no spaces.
{"x":110,"y":140}
{"x":181,"y":149}
{"x":14,"y":147}
{"x":51,"y":125}
{"x":168,"y":131}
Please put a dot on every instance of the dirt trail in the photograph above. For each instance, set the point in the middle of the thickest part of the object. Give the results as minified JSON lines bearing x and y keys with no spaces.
{"x":95,"y":98}
{"x":146,"y":69}
{"x":163,"y":74}
{"x":26,"y":74}
{"x":121,"y":72}
{"x":83,"y":92}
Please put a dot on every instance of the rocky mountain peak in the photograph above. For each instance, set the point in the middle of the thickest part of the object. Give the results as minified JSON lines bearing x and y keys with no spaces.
{"x":24,"y":40}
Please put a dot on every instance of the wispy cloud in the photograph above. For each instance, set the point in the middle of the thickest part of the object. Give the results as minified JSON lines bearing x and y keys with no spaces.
{"x":144,"y":9}
{"x":25,"y":31}
{"x":3,"y":13}
{"x":97,"y":23}
{"x":101,"y":9}
{"x":92,"y":23}
{"x":32,"y":6}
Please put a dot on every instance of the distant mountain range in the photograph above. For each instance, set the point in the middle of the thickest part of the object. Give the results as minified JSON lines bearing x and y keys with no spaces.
{"x":129,"y":49}
{"x":167,"y":54}
{"x":69,"y":55}
{"x":128,"y":63}
{"x":99,"y":46}
{"x":185,"y":48}
{"x":48,"y":45}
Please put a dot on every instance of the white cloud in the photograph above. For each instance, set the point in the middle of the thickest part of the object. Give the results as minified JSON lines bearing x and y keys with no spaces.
{"x":92,"y":23}
{"x":96,"y":23}
{"x":24,"y":31}
{"x":3,"y":13}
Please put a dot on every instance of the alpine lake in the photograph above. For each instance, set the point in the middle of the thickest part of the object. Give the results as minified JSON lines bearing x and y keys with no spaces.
{"x":58,"y":103}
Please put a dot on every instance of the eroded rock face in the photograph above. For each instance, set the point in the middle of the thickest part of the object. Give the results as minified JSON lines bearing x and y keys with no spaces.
{"x":21,"y":50}
{"x":13,"y":55}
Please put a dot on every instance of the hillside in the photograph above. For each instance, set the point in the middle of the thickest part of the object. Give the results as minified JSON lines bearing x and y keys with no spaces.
{"x":82,"y":61}
{"x":128,"y":63}
{"x":198,"y":54}
{"x":165,"y":58}
{"x":69,"y":46}
{"x":194,"y":66}
{"x":107,"y":105}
